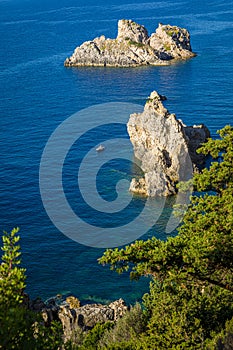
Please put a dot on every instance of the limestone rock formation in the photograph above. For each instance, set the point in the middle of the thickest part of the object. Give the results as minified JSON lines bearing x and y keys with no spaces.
{"x":134,"y":47}
{"x":171,"y":41}
{"x":73,"y":316}
{"x":84,"y":317}
{"x":164,"y":147}
{"x":130,"y":30}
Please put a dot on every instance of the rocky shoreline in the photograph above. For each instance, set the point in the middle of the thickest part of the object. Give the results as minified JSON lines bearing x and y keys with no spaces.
{"x":73,"y":316}
{"x":134,"y":47}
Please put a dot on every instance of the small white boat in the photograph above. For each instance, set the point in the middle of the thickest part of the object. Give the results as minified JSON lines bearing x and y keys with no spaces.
{"x":100,"y":148}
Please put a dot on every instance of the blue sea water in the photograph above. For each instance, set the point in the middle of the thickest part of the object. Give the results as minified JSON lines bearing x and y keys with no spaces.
{"x":37,"y":93}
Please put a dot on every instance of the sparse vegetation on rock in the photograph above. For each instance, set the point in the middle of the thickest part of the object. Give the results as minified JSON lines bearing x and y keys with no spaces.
{"x":134,"y":47}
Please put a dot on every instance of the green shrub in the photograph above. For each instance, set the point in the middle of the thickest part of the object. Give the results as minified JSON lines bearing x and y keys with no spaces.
{"x":20,"y":328}
{"x":167,"y":47}
{"x":222,"y":340}
{"x":126,"y":331}
{"x":172,"y":31}
{"x":135,"y":43}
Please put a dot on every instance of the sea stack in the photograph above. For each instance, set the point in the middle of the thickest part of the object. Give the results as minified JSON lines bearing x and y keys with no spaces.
{"x":164,"y":147}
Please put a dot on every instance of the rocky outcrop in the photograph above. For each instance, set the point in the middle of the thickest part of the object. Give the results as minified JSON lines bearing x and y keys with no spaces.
{"x":73,"y":316}
{"x":130,"y":30}
{"x":87,"y":316}
{"x":134,"y":47}
{"x":172,"y":42}
{"x":195,"y":136}
{"x":164,"y":147}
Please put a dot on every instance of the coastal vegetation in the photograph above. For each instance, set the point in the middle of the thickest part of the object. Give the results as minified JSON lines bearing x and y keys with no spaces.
{"x":135,"y":43}
{"x":189,"y":303}
{"x":167,"y":47}
{"x":20,"y":328}
{"x":190,"y":297}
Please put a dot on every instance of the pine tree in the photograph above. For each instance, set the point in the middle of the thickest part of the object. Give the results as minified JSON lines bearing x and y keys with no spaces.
{"x":192,"y":287}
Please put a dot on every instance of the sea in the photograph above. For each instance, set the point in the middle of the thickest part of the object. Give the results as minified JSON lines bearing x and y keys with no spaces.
{"x":38,"y":94}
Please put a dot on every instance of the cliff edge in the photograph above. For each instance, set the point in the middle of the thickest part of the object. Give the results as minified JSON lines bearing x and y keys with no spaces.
{"x":134,"y":47}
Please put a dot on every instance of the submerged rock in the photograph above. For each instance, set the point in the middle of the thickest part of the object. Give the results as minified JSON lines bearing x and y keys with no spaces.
{"x":134,"y":47}
{"x":164,"y":147}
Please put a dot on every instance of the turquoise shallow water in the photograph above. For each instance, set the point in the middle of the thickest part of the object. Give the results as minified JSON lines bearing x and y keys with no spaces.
{"x":37,"y":94}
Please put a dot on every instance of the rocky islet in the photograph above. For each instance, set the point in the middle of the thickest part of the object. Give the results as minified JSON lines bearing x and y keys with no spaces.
{"x":134,"y":47}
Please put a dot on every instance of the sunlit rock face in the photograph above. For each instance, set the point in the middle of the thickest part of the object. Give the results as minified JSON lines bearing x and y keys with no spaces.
{"x":133,"y":47}
{"x":165,"y":148}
